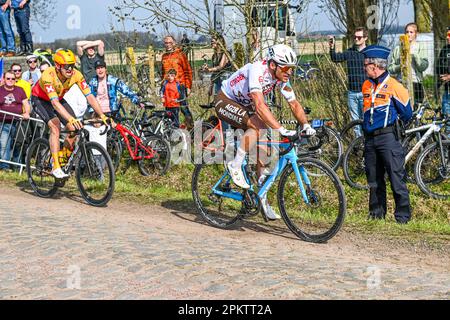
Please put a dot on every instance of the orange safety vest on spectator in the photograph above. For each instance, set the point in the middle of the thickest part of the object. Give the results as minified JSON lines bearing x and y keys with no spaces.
{"x":177,"y":60}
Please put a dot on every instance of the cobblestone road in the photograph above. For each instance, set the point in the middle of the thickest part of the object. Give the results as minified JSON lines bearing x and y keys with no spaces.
{"x":64,"y":249}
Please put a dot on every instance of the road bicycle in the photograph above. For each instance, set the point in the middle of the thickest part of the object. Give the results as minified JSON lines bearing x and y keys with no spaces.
{"x":305,"y":71}
{"x":429,"y":134}
{"x":89,"y":161}
{"x":151,"y":152}
{"x":310,"y":196}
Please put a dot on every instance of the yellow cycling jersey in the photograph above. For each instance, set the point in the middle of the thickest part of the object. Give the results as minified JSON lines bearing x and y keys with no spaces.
{"x":50,"y":87}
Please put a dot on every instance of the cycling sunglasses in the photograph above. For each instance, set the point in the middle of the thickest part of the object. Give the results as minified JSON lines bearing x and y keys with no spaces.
{"x":285,"y":68}
{"x":68,"y":67}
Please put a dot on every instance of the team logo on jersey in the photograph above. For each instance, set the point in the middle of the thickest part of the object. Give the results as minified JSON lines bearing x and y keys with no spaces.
{"x":49,"y":88}
{"x":261,"y":79}
{"x":236,"y":80}
{"x":84,"y":85}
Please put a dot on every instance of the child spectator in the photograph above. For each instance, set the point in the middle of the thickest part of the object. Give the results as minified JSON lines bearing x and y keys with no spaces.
{"x":171,"y":94}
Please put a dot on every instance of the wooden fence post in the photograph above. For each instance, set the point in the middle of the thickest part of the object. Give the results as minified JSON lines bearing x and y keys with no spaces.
{"x":405,"y":66}
{"x":131,"y":61}
{"x":151,"y":67}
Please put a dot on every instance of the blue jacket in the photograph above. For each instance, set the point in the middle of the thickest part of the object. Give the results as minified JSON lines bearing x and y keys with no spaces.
{"x":391,"y":102}
{"x":114,"y":84}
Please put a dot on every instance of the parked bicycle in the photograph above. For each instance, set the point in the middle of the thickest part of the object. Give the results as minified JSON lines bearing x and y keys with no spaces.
{"x":150,"y":151}
{"x":89,"y":161}
{"x":305,"y":71}
{"x":310,"y":195}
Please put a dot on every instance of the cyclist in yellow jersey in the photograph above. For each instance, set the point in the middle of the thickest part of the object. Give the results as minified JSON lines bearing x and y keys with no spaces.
{"x":48,"y":102}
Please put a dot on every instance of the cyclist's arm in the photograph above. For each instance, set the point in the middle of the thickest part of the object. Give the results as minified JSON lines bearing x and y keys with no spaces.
{"x":94,"y":104}
{"x":298,"y":111}
{"x":263,"y":111}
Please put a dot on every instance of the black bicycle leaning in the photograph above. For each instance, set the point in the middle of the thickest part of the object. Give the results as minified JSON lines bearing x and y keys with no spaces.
{"x":91,"y":163}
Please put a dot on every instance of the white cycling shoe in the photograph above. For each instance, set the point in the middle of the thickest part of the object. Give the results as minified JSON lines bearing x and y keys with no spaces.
{"x":268,"y":211}
{"x":238,"y":176}
{"x":59,"y":174}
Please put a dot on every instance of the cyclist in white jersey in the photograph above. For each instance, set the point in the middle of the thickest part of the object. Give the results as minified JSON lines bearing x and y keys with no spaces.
{"x":241,"y":104}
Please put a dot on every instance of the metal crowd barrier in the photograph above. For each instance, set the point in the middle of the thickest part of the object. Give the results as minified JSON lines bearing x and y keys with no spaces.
{"x":16,"y":134}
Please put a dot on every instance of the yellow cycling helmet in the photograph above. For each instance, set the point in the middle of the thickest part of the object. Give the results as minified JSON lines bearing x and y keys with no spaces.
{"x":64,"y":56}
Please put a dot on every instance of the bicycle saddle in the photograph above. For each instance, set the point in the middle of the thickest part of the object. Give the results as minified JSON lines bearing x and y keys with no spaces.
{"x":207,"y":106}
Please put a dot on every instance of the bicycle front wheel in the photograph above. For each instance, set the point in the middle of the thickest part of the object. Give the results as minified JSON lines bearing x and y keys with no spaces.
{"x":432,"y":172}
{"x":218,"y":211}
{"x":160,"y":162}
{"x":320,"y":216}
{"x":39,"y":168}
{"x":354,"y":166}
{"x":95,"y":174}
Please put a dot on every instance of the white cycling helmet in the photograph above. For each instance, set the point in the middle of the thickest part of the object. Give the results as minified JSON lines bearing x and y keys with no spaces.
{"x":283,"y":55}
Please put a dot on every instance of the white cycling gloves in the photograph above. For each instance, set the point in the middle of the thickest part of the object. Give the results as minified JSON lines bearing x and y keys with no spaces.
{"x":285,"y":132}
{"x":307,"y":130}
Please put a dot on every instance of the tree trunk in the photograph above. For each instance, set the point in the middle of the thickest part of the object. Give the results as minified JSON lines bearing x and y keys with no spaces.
{"x":357,"y":16}
{"x":422,"y":15}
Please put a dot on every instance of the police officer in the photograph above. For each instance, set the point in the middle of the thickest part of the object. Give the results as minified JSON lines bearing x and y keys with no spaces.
{"x":385,"y":100}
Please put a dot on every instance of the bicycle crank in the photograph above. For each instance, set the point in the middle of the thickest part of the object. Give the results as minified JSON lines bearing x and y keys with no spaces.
{"x":251,"y":204}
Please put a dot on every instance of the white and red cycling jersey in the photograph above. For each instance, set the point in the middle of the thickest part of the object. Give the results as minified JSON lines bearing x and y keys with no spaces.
{"x":254,"y":77}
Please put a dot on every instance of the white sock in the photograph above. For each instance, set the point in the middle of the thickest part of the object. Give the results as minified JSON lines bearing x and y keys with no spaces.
{"x":239,"y":159}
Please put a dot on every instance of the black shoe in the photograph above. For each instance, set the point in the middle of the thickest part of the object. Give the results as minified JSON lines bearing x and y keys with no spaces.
{"x":21,"y":50}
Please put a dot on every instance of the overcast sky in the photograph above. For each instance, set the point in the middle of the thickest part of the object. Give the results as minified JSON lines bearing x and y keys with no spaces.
{"x":94,"y":18}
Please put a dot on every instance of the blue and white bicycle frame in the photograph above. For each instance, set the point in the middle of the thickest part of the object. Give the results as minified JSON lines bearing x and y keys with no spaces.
{"x":290,"y":157}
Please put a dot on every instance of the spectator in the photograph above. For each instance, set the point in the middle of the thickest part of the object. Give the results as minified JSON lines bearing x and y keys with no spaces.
{"x":14,"y":100}
{"x":88,"y":56}
{"x":22,"y":16}
{"x":443,"y":72}
{"x":25,"y":85}
{"x":221,"y":64}
{"x":175,"y":59}
{"x":8,"y":48}
{"x":33,"y":74}
{"x":385,"y":100}
{"x":105,"y":88}
{"x":44,"y":65}
{"x":419,"y":62}
{"x":355,"y":72}
{"x":171,"y":92}
{"x":185,"y":43}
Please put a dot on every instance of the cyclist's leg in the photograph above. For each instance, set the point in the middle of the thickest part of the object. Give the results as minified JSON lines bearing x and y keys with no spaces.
{"x":48,"y":114}
{"x":70,"y":138}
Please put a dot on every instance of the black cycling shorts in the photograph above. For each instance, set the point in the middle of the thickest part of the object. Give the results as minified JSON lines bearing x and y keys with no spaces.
{"x":47,"y":112}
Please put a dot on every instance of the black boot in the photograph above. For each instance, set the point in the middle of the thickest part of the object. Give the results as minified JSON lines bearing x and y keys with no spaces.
{"x":20,"y":51}
{"x":30,"y":48}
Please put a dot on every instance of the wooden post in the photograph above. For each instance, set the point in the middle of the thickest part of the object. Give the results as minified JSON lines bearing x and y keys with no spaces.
{"x":406,"y":66}
{"x":151,"y":67}
{"x":131,"y":61}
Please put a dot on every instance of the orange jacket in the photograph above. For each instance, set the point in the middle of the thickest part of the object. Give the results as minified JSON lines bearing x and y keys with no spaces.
{"x":177,"y":60}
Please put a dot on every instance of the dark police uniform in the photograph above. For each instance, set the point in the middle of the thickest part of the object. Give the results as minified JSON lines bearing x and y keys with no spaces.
{"x":385,"y":99}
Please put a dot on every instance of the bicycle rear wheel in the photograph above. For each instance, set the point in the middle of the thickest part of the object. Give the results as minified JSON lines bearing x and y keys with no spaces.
{"x":354,"y":166}
{"x":321,"y":218}
{"x":217,"y":211}
{"x":432,"y":173}
{"x":160,"y":163}
{"x":95,"y":174}
{"x":39,"y":168}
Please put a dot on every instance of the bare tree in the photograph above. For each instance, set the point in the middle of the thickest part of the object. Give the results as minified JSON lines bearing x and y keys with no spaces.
{"x":43,"y":12}
{"x":198,"y":16}
{"x":378,"y":16}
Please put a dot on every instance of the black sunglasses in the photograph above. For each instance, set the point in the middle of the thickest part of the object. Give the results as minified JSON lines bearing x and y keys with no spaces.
{"x":17,"y":70}
{"x":68,"y":67}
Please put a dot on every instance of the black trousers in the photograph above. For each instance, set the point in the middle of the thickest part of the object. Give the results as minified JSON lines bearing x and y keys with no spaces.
{"x":384,"y":154}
